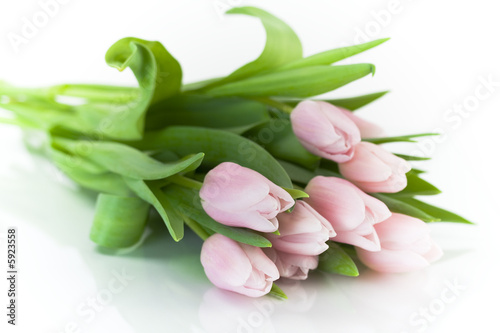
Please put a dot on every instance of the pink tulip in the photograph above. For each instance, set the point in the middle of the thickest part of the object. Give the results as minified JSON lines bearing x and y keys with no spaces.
{"x":237,"y":267}
{"x":292,"y":266}
{"x":374,"y":169}
{"x":237,"y":196}
{"x":303,"y":231}
{"x":406,"y":246}
{"x":351,"y":212}
{"x":366,"y":128}
{"x":325,"y":130}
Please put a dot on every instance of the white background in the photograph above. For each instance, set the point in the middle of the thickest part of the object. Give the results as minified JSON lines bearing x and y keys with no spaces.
{"x":440,"y":54}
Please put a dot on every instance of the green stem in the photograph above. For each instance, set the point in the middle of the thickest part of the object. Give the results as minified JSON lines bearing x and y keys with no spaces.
{"x":11,"y":91}
{"x":193,"y":225}
{"x":186,"y":182}
{"x":275,"y":104}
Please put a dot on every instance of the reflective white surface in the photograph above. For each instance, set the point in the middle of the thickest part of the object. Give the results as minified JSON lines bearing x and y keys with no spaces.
{"x":66,"y":284}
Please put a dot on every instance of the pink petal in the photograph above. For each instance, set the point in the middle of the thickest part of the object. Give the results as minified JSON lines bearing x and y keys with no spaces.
{"x":401,"y":230}
{"x":246,"y":219}
{"x":434,"y":253}
{"x":363,"y":240}
{"x":261,"y":262}
{"x":366,"y":128}
{"x":365,"y":166}
{"x":225,"y":270}
{"x":338,"y":201}
{"x":225,"y":185}
{"x":389,"y":261}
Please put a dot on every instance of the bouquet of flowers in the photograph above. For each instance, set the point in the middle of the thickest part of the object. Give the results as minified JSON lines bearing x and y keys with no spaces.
{"x":275,"y":183}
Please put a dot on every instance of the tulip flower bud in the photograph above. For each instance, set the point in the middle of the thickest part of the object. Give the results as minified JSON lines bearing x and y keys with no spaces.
{"x":406,"y":246}
{"x":237,"y":267}
{"x":325,"y":130}
{"x":292,"y":266}
{"x":374,"y":169}
{"x":366,"y":128}
{"x":303,"y":231}
{"x":237,"y":196}
{"x":351,"y":212}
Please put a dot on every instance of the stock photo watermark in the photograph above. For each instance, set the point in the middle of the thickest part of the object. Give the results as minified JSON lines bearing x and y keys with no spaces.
{"x":32,"y":25}
{"x":222,"y":6}
{"x":89,"y":309}
{"x":421,"y":319}
{"x":12,"y":275}
{"x":380,"y":19}
{"x":454,"y":116}
{"x":250,"y":321}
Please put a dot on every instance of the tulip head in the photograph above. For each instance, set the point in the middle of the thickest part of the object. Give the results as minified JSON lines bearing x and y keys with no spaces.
{"x":237,"y":196}
{"x":325,"y":130}
{"x":406,"y":246}
{"x":237,"y":267}
{"x":351,"y":212}
{"x":292,"y":266}
{"x":367,"y":129}
{"x":303,"y":231}
{"x":374,"y":169}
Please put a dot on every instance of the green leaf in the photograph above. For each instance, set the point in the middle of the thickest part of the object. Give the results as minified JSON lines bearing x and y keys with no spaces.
{"x":104,"y":182}
{"x":437,"y":212}
{"x":296,"y":194}
{"x":402,"y":138}
{"x":160,"y":202}
{"x":297,"y":173}
{"x":88,"y":174}
{"x":277,"y":137}
{"x":398,"y":205}
{"x":331,"y":56}
{"x":417,"y":171}
{"x":354,"y":103}
{"x":219,"y":146}
{"x":282,"y":46}
{"x":277,"y":292}
{"x":416,"y":186}
{"x":119,"y":221}
{"x":187,"y":202}
{"x":412,"y":158}
{"x":229,"y":113}
{"x":336,"y":260}
{"x":351,"y":103}
{"x":156,"y":70}
{"x":159,"y":76}
{"x":127,"y":161}
{"x":327,"y":173}
{"x":61,"y":158}
{"x":300,"y":82}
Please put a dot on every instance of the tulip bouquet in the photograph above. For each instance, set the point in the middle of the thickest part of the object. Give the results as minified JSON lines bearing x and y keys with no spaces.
{"x":275,"y":183}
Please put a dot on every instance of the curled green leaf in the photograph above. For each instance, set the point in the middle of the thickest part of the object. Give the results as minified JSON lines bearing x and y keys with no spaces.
{"x":279,"y":37}
{"x":159,"y":76}
{"x":119,"y":221}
